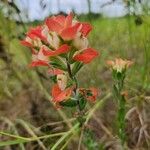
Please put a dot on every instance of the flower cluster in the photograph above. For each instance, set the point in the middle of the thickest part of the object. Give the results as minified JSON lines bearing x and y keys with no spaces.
{"x":61,"y":44}
{"x":119,"y":65}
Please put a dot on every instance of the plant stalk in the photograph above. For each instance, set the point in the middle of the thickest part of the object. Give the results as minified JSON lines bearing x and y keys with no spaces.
{"x":118,"y":89}
{"x":74,"y":79}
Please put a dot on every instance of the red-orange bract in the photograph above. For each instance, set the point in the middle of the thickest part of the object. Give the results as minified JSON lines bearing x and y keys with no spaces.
{"x":90,"y":94}
{"x":55,"y":71}
{"x":61,"y":50}
{"x":86,"y":56}
{"x":59,"y":95}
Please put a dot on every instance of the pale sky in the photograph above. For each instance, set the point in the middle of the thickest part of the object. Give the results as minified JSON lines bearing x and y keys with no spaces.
{"x":80,"y":6}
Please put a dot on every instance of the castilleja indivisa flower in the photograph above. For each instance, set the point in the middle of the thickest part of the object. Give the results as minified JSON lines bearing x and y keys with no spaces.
{"x":61,"y":44}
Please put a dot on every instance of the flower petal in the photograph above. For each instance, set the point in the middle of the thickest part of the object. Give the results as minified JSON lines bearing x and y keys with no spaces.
{"x":61,"y":19}
{"x":59,"y":95}
{"x":53,"y":25}
{"x":68,"y":21}
{"x":63,"y":49}
{"x":70,"y":32}
{"x":86,"y":56}
{"x":36,"y":32}
{"x":55,"y":91}
{"x":94,"y":93}
{"x":55,"y":71}
{"x":25,"y":43}
{"x":38,"y":63}
{"x":86,"y":28}
{"x":34,"y":52}
{"x":41,"y":56}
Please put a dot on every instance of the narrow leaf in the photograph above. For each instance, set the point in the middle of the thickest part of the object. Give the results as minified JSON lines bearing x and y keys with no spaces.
{"x":69,"y":103}
{"x":77,"y":66}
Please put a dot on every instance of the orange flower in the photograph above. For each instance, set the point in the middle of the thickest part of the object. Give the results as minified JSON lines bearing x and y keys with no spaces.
{"x":90,"y":94}
{"x":119,"y":64}
{"x":66,"y":27}
{"x":63,"y":26}
{"x":59,"y":95}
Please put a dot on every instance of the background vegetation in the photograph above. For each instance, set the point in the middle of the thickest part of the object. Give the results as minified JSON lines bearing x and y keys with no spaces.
{"x":25,"y":107}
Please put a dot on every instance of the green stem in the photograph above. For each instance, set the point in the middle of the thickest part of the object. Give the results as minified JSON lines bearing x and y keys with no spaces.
{"x":72,"y":130}
{"x":74,"y":79}
{"x":121,"y":120}
{"x":122,"y":108}
{"x":69,"y":69}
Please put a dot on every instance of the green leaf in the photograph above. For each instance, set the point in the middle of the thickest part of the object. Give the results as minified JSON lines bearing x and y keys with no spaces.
{"x":12,"y":142}
{"x":114,"y":72}
{"x":71,"y":56}
{"x":69,"y":103}
{"x":89,"y":93}
{"x":119,"y":75}
{"x":115,"y":91}
{"x":56,"y":62}
{"x":53,"y":78}
{"x":63,"y":55}
{"x":82,"y":103}
{"x":77,"y":66}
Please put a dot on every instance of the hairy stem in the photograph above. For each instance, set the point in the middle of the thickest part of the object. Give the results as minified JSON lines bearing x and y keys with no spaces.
{"x":121,"y":120}
{"x":122,"y":108}
{"x":74,"y":79}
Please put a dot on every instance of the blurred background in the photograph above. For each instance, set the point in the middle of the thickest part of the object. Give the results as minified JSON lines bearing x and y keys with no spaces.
{"x":121,"y":28}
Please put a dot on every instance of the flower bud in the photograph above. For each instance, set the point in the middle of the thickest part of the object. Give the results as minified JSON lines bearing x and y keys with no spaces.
{"x":119,"y":64}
